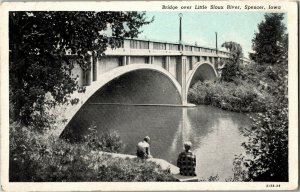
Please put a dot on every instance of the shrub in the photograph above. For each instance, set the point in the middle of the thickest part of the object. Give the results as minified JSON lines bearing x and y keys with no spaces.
{"x":268,"y":144}
{"x":109,"y":141}
{"x":40,"y":158}
{"x":229,"y":96}
{"x":212,"y":178}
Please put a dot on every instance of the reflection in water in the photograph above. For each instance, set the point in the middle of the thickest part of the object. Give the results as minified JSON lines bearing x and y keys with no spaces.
{"x":216,"y":150}
{"x":187,"y":129}
{"x":214,"y":133}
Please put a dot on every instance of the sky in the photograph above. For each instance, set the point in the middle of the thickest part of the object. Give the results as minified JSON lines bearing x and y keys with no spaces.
{"x":200,"y":27}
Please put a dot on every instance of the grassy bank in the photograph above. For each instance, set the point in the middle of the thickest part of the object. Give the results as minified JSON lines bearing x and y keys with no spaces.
{"x":241,"y":97}
{"x":42,"y":158}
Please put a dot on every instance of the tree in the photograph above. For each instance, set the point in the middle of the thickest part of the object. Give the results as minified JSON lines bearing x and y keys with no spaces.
{"x":232,"y":65}
{"x":268,"y":136}
{"x":269,"y":41}
{"x":38,"y":42}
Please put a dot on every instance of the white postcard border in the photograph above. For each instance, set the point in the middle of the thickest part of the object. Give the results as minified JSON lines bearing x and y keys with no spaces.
{"x":289,"y":7}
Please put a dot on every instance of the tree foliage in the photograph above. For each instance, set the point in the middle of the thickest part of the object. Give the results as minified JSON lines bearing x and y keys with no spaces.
{"x":268,"y":136}
{"x":232,"y":65}
{"x":38,"y":42}
{"x":270,"y":40}
{"x":267,"y":146}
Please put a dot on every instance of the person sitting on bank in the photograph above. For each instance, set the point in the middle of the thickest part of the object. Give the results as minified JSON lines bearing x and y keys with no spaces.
{"x":187,"y":161}
{"x":143,"y":148}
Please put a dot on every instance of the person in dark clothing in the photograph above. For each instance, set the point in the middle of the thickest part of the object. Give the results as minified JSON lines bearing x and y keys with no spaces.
{"x":187,"y":161}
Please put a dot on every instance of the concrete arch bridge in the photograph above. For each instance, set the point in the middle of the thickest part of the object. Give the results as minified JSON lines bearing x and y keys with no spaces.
{"x":144,"y":72}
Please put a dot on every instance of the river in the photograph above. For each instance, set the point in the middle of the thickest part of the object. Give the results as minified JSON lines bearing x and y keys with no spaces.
{"x":214,"y":133}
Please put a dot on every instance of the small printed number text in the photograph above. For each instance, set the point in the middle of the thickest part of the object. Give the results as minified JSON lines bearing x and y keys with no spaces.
{"x":273,"y":185}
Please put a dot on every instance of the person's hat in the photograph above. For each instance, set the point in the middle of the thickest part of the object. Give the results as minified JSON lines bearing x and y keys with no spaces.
{"x":187,"y":144}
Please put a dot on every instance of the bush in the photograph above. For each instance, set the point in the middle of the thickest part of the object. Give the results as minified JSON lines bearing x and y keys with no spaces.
{"x":108,"y":141}
{"x":268,"y":143}
{"x":229,"y":96}
{"x":267,"y":146}
{"x":36,"y":157}
{"x":212,"y":178}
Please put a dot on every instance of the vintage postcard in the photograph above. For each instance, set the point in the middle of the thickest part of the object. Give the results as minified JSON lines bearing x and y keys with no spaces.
{"x":149,"y":96}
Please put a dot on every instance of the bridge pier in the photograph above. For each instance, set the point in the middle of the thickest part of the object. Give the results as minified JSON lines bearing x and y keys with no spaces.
{"x":181,"y":78}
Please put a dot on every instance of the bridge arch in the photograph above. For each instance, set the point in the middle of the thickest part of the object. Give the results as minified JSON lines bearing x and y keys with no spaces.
{"x":202,"y":71}
{"x":108,"y":77}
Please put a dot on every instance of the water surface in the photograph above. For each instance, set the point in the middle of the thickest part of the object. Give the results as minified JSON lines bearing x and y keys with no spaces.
{"x":214,"y":133}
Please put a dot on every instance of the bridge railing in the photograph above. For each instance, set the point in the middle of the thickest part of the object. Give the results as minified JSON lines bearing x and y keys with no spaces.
{"x":148,"y":47}
{"x":135,"y":45}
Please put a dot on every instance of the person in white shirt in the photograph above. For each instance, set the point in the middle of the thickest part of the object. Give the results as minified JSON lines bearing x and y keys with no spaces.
{"x":143,"y":148}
